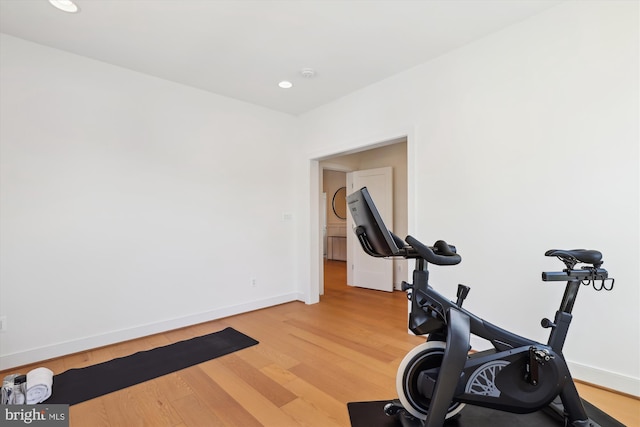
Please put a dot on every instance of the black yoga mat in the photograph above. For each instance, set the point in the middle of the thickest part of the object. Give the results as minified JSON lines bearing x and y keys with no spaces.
{"x":371,"y":414}
{"x":78,"y":385}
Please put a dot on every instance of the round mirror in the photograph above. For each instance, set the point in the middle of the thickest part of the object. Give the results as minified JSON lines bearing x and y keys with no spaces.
{"x":340,"y":203}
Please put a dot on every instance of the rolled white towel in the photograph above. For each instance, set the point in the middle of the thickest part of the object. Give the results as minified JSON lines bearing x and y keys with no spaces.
{"x":39,"y":384}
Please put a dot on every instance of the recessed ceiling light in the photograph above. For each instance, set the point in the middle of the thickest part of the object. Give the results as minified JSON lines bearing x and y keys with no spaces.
{"x":65,"y":5}
{"x":285,"y":84}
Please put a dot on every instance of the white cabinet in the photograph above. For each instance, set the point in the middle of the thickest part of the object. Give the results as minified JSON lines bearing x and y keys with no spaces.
{"x":337,"y":248}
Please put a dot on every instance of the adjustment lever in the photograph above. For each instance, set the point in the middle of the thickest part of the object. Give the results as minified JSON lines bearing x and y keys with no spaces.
{"x":462,"y":293}
{"x":546,"y":323}
{"x":404,"y":286}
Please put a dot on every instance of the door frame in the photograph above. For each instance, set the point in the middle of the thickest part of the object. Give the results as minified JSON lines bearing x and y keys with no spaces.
{"x":316,"y":268}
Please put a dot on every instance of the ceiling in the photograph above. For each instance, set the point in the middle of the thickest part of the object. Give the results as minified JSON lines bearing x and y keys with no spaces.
{"x":243,"y":48}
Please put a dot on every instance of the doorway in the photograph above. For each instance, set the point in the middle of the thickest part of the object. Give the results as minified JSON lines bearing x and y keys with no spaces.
{"x":391,"y":154}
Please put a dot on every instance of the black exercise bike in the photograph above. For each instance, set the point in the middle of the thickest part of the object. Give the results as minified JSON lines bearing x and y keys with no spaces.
{"x":437,"y":378}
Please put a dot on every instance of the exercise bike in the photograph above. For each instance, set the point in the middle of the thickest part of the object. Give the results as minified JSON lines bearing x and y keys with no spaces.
{"x":437,"y":378}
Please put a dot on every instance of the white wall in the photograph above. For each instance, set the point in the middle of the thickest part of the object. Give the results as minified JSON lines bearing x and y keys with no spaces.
{"x":332,"y":181}
{"x":523,"y":141}
{"x":132,"y":205}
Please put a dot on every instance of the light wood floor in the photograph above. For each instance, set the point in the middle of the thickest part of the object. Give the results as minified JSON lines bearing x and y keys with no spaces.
{"x":311,"y":361}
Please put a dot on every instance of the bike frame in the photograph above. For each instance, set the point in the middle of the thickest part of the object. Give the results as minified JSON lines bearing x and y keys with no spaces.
{"x":454,"y":325}
{"x":529,"y":375}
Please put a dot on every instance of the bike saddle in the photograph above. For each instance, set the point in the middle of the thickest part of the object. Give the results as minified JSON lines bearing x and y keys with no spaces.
{"x":575,"y":256}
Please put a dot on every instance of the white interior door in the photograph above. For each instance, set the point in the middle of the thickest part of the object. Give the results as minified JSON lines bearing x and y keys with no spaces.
{"x":363,"y":270}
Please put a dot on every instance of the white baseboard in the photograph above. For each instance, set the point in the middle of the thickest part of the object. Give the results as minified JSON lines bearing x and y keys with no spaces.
{"x":590,"y":374}
{"x":8,"y":361}
{"x":603,"y":378}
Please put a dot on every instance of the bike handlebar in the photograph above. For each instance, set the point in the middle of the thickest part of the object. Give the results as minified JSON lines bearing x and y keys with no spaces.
{"x":440,"y":254}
